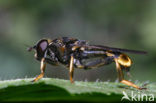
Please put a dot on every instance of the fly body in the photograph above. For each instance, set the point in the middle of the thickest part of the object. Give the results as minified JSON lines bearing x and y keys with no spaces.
{"x":75,"y":53}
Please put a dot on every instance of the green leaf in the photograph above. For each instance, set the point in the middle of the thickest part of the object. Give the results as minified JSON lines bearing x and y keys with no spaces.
{"x":49,"y":89}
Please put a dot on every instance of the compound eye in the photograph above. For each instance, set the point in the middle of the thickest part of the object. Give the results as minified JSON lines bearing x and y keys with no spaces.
{"x":43,"y":45}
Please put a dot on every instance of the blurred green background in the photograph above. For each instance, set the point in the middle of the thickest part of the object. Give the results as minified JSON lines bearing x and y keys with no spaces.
{"x":127,"y":24}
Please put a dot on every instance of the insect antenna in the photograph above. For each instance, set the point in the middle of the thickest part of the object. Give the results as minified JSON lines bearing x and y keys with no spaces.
{"x":29,"y":48}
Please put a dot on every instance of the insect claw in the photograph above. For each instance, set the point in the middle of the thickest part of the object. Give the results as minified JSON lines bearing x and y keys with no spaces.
{"x":33,"y":81}
{"x":145,"y":84}
{"x":72,"y":82}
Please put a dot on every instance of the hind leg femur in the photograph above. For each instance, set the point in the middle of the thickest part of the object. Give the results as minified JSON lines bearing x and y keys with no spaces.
{"x":125,"y":61}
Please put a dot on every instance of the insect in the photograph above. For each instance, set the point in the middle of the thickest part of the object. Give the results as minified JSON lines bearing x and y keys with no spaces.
{"x":74,"y":53}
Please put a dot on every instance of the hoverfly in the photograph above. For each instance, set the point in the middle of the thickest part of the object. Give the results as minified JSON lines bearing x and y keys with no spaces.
{"x":74,"y":53}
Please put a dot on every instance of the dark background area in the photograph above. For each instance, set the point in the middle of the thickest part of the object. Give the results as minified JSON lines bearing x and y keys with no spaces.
{"x":127,"y":24}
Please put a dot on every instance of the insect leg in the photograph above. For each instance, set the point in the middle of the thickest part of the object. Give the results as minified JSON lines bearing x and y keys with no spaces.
{"x":71,"y":69}
{"x":121,"y":77}
{"x":120,"y":73}
{"x":42,"y":67}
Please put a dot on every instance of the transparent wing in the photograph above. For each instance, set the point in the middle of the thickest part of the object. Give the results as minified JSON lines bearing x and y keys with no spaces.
{"x":106,"y":48}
